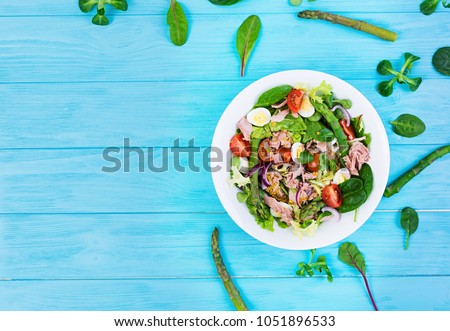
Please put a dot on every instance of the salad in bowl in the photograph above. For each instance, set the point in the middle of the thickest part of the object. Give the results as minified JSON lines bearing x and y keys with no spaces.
{"x":300,"y":158}
{"x":307,"y":159}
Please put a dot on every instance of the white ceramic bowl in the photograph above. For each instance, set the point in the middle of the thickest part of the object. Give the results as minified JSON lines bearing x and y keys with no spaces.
{"x":329,"y":232}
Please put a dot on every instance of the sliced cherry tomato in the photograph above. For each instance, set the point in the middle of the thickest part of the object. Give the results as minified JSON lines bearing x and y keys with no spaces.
{"x":348,"y":130}
{"x":314,"y":164}
{"x":331,"y":195}
{"x":294,"y":100}
{"x":286,"y":154}
{"x":239,"y":146}
{"x":265,"y":152}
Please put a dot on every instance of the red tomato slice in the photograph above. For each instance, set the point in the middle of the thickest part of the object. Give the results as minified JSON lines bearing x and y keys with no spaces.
{"x":239,"y":146}
{"x":314,"y":164}
{"x":348,"y":130}
{"x":294,"y":100}
{"x":331,"y":195}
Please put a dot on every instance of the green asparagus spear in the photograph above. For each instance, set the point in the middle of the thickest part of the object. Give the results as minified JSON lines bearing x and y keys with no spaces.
{"x":233,"y":292}
{"x":335,"y":126}
{"x":397,"y":185}
{"x":349,"y":22}
{"x":253,"y":161}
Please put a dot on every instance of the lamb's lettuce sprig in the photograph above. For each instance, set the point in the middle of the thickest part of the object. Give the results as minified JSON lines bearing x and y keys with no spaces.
{"x":100,"y":18}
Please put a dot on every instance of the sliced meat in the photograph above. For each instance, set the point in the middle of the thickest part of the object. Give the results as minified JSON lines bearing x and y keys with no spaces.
{"x":357,"y":156}
{"x":315,"y":147}
{"x":284,"y":210}
{"x":280,"y":116}
{"x":291,"y":180}
{"x":306,"y":193}
{"x":246,"y":128}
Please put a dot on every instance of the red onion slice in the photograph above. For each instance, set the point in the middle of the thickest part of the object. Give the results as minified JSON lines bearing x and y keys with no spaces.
{"x":279,"y":105}
{"x":345,"y":113}
{"x":264,"y":174}
{"x":254,"y":169}
{"x":335,"y":216}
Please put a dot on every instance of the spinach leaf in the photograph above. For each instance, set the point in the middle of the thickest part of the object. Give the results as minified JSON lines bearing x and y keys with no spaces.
{"x":224,"y":2}
{"x":317,"y":131}
{"x":273,"y":95}
{"x":315,"y":117}
{"x":407,"y":125}
{"x":178,"y":23}
{"x":428,"y":7}
{"x":441,"y":60}
{"x":366,"y":175}
{"x":351,"y":255}
{"x":409,"y":221}
{"x":289,"y":123}
{"x":346,"y":103}
{"x":350,"y":186}
{"x":246,"y":38}
{"x":320,"y":265}
{"x":100,"y":18}
{"x":353,"y":195}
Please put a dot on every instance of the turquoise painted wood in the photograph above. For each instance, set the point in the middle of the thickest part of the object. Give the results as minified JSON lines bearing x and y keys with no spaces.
{"x":75,"y":238}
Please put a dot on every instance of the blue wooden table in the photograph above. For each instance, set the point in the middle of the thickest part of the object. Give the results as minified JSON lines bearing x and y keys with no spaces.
{"x":75,"y":238}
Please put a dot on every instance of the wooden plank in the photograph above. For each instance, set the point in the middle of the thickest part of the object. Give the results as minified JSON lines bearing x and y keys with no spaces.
{"x":155,"y":114}
{"x":72,"y":181}
{"x":400,"y":293}
{"x":32,"y":50}
{"x":54,"y":7}
{"x":178,"y":245}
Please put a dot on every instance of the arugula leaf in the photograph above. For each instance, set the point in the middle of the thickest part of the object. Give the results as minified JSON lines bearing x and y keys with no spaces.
{"x":350,"y":254}
{"x":409,"y":221}
{"x":246,"y":38}
{"x":176,"y":19}
{"x":320,"y":266}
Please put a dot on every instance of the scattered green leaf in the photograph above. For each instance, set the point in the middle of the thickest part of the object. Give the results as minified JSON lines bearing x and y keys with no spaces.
{"x":100,"y":18}
{"x":224,"y":2}
{"x":350,"y":254}
{"x":176,"y":19}
{"x":409,"y":221}
{"x":441,"y":60}
{"x":407,"y":125}
{"x":307,"y":269}
{"x":246,"y":38}
{"x":385,"y":88}
{"x":428,"y":7}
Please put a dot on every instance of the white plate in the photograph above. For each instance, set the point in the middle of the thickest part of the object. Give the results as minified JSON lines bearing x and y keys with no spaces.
{"x":329,"y":232}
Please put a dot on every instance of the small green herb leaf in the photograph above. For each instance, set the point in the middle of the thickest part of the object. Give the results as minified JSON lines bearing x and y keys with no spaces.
{"x":320,"y":266}
{"x":224,"y":2}
{"x":407,"y":125}
{"x":441,"y":59}
{"x":119,"y":4}
{"x":428,"y":7}
{"x":273,"y":95}
{"x":100,"y":18}
{"x":446,"y":4}
{"x":413,"y":83}
{"x":385,"y":68}
{"x":246,"y":38}
{"x":409,"y":60}
{"x":296,"y":2}
{"x":409,"y":221}
{"x":86,"y":5}
{"x":176,"y":19}
{"x":386,"y":88}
